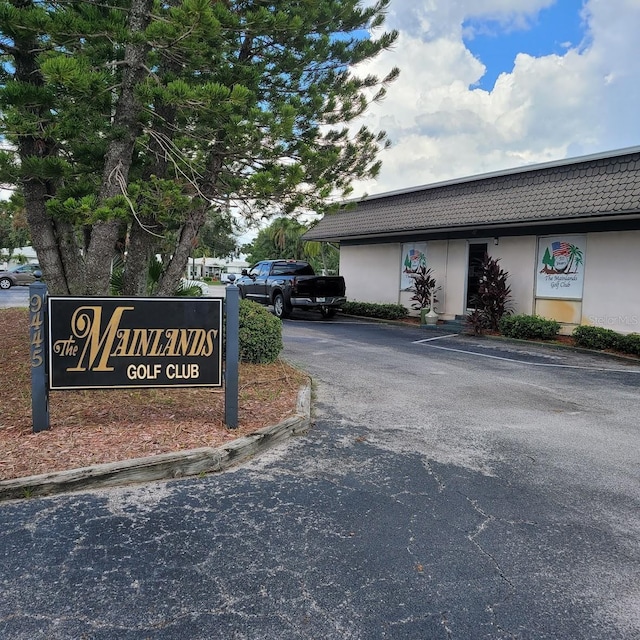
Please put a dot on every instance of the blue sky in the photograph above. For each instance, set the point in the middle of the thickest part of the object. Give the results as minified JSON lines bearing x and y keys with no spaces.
{"x":487,"y":85}
{"x":552,"y":31}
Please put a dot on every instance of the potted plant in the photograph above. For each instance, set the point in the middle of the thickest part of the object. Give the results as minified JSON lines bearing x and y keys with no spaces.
{"x":424,"y":290}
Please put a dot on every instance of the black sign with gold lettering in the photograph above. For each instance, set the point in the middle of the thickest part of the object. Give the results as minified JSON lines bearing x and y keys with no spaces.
{"x":108,"y":343}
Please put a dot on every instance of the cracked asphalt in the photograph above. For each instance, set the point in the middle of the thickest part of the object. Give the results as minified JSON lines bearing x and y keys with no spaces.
{"x":451,"y":487}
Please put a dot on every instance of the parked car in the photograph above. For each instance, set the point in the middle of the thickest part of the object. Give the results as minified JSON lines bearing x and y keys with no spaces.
{"x":289,"y":284}
{"x":20,"y":275}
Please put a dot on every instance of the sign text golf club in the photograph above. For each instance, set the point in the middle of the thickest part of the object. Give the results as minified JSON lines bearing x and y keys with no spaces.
{"x":108,"y":343}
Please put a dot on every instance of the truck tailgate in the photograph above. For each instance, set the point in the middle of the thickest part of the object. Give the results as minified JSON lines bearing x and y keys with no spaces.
{"x":323,"y":286}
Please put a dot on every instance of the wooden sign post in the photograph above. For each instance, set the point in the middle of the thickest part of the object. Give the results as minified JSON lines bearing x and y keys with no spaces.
{"x":37,"y":352}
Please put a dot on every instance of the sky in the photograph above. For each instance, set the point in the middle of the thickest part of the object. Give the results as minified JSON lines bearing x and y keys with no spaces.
{"x":487,"y":85}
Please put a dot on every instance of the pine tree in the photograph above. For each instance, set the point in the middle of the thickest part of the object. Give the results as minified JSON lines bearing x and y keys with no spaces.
{"x":548,"y":260}
{"x":130,"y":120}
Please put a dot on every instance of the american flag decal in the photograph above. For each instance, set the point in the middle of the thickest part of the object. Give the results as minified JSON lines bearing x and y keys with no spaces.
{"x":560,"y":249}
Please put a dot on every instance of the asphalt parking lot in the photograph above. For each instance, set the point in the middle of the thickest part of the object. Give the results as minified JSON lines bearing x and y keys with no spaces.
{"x":14,"y":297}
{"x":452,"y":487}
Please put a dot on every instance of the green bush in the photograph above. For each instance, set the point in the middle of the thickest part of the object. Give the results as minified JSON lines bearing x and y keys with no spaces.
{"x":597,"y":338}
{"x":260,"y":334}
{"x":493,"y":300}
{"x":375,"y":310}
{"x":630,"y":343}
{"x":526,"y":327}
{"x":601,"y":339}
{"x":423,"y":285}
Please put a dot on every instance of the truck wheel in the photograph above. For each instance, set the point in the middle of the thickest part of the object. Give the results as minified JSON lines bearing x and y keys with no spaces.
{"x":280,"y":307}
{"x":328,"y":312}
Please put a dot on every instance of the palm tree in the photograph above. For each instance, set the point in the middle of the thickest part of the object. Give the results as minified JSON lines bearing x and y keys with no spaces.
{"x":574,"y":255}
{"x":286,"y":235}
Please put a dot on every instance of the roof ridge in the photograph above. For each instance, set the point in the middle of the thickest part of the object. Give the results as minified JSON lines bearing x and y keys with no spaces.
{"x":541,"y":166}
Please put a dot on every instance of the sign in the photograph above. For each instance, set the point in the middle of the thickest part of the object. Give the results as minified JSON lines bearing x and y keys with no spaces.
{"x":414,"y":256}
{"x":560,"y":267}
{"x":109,"y":343}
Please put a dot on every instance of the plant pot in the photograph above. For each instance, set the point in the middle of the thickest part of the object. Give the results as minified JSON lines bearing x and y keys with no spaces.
{"x":428,"y":317}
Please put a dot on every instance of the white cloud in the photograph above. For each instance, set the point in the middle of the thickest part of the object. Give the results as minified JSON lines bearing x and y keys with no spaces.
{"x":443,"y":126}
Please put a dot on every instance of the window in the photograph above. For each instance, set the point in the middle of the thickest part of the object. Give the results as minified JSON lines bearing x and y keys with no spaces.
{"x":292,"y":269}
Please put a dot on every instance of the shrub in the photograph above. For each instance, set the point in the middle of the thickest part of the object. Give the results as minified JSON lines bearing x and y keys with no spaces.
{"x":423,"y":284}
{"x":494,"y":296}
{"x":630,"y":343}
{"x":476,"y":322}
{"x":375,"y":310}
{"x":525,"y":327}
{"x":597,"y":338}
{"x":260,"y":334}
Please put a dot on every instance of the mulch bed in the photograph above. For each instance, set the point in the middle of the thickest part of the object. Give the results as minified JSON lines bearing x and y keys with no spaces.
{"x":93,"y":427}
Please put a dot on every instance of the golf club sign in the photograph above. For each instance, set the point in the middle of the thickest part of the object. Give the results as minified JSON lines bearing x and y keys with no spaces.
{"x":110,"y":343}
{"x":114,"y":343}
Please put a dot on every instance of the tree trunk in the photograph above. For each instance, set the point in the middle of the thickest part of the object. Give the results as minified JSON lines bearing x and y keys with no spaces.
{"x":178,"y":263}
{"x":37,"y":190}
{"x":43,"y":237}
{"x":71,"y":255}
{"x":139,"y":252}
{"x":141,"y":244}
{"x":119,"y":155}
{"x":194,"y":222}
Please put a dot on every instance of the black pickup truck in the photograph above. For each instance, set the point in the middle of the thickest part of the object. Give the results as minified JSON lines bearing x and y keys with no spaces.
{"x":287,"y":284}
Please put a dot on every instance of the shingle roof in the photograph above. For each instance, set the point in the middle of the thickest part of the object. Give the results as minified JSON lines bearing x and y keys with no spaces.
{"x":598,"y":185}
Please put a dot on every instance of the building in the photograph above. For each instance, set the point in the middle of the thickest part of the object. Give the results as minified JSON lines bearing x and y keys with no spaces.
{"x":568,"y":233}
{"x":216,"y":268}
{"x":197,"y":268}
{"x":21,"y":255}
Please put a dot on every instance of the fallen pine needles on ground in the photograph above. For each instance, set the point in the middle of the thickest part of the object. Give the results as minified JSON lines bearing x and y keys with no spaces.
{"x":93,"y":427}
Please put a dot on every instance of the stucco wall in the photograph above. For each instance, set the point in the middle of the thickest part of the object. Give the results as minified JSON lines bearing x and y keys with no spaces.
{"x":371,"y":272}
{"x":518,"y":257}
{"x":455,"y":279}
{"x":611,"y":296}
{"x":437,"y":262}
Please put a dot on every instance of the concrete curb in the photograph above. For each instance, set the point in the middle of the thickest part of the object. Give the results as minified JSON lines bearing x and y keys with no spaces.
{"x":164,"y":466}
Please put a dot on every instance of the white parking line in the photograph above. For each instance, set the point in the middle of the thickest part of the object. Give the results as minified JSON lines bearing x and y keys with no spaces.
{"x":534,"y":364}
{"x":449,"y":335}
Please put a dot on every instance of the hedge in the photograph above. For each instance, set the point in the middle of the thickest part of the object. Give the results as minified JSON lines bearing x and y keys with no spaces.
{"x":375,"y":310}
{"x":526,"y":327}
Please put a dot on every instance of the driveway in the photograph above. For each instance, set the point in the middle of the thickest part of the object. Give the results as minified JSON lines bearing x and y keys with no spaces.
{"x":452,"y":487}
{"x":14,"y":297}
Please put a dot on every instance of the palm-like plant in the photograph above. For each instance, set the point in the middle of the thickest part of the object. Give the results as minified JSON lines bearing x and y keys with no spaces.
{"x":116,"y":282}
{"x":286,"y":235}
{"x":423,"y":286}
{"x":494,"y":296}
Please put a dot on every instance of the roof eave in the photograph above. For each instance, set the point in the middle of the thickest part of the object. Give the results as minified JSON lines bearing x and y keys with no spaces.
{"x":488,"y":226}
